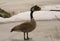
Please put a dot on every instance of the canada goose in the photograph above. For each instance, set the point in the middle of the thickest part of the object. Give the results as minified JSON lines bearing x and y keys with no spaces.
{"x":27,"y":27}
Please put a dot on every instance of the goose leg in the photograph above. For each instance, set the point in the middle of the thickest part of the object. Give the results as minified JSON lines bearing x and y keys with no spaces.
{"x":24,"y":36}
{"x":27,"y":36}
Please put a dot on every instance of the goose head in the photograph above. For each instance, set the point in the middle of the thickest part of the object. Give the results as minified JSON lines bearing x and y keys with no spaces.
{"x":35,"y":8}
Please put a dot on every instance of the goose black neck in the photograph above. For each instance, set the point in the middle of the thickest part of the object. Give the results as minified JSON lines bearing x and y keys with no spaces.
{"x":31,"y":14}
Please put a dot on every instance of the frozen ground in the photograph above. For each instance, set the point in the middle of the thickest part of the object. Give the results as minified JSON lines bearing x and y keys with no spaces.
{"x":45,"y":31}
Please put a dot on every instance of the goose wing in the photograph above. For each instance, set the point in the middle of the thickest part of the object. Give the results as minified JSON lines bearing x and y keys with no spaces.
{"x":25,"y":27}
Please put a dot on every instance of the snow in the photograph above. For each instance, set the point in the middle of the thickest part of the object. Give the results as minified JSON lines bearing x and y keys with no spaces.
{"x":38,"y":15}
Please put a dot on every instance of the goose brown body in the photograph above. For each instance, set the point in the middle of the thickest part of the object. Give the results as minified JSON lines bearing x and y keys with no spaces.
{"x":27,"y":27}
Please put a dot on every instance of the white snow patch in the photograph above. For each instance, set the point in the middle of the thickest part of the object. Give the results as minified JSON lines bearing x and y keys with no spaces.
{"x":38,"y":15}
